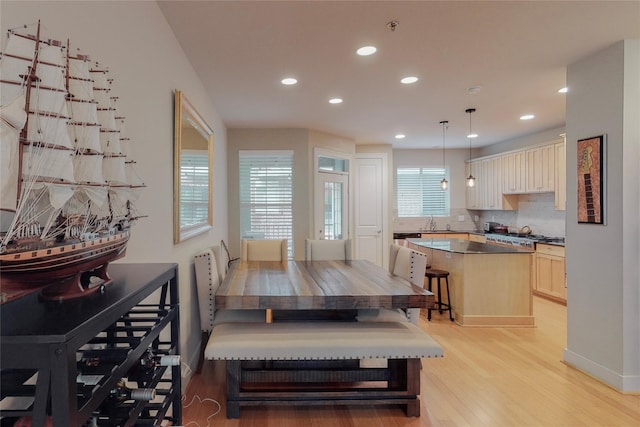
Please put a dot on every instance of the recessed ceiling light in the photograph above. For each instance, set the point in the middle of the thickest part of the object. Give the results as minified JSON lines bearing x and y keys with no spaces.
{"x":563,"y":90}
{"x":472,"y":135}
{"x":474,"y":89}
{"x":335,"y":101}
{"x":409,"y":80}
{"x":289,"y":81}
{"x":366,"y":50}
{"x":400,"y":136}
{"x":527,"y":117}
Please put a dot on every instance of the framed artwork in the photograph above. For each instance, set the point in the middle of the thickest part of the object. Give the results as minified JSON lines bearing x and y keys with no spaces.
{"x":591,"y":185}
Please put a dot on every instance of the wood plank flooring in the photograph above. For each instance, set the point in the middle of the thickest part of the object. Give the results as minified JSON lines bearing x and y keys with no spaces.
{"x":491,"y":377}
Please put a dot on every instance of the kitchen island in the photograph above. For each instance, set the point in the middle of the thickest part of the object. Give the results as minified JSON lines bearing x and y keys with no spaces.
{"x":489,"y":285}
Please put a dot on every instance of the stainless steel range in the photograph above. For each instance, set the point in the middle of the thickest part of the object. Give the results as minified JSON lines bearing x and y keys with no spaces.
{"x":522,"y":241}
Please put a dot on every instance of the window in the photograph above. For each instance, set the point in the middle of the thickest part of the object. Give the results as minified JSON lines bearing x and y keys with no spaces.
{"x":419,"y":193}
{"x":266,"y":195}
{"x":194,"y":187}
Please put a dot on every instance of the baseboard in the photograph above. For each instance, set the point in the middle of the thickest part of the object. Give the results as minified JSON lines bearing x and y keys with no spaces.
{"x":188,"y":371}
{"x":623,"y":383}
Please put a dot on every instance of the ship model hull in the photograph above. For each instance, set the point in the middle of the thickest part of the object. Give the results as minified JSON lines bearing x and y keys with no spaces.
{"x":65,"y":270}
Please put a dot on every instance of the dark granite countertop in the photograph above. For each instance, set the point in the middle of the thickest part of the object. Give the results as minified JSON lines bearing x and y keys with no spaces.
{"x":466,"y":247}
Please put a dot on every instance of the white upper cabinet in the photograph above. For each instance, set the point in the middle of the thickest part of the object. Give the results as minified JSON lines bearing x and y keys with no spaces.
{"x":540,"y":169}
{"x":514,"y":172}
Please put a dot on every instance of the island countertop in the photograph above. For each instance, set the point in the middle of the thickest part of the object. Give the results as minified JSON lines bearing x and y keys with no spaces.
{"x":462,"y":246}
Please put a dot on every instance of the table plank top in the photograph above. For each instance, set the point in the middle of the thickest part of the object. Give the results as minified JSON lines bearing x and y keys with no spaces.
{"x":307,"y":285}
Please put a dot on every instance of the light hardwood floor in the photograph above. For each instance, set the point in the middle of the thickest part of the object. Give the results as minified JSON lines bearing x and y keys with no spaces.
{"x":492,"y":377}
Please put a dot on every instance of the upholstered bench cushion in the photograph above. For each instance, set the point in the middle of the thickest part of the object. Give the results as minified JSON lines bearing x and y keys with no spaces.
{"x":320,"y":341}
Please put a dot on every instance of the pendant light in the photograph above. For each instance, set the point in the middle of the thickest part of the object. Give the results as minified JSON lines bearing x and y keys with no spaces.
{"x":471,"y":180}
{"x":444,"y":184}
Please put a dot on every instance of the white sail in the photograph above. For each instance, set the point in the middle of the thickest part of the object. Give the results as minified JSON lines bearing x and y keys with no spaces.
{"x":113,"y":168}
{"x":41,"y":163}
{"x":12,"y":119}
{"x":87,"y":168}
{"x":85,"y":137}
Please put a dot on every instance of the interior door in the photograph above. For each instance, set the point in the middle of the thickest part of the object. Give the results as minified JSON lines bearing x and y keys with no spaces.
{"x":332,"y":206}
{"x":370,"y":187}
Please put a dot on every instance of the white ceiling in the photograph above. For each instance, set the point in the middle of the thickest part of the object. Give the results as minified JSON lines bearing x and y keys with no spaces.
{"x":517,"y":51}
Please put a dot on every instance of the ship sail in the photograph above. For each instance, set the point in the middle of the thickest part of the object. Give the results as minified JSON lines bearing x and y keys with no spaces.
{"x":66,"y":172}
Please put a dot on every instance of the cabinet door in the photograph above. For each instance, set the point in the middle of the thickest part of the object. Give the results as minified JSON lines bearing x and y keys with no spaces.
{"x":550,"y":276}
{"x":561,"y":177}
{"x":492,"y":183}
{"x":540,"y":166}
{"x":514,"y":172}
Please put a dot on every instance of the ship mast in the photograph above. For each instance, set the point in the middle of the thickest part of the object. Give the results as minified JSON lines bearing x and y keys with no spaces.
{"x":29,"y":78}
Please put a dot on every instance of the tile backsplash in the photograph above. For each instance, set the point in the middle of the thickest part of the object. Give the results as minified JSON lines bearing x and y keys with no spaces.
{"x":535,"y":210}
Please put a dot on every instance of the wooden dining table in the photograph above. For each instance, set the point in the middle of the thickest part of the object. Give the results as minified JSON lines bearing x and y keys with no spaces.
{"x":317,"y":285}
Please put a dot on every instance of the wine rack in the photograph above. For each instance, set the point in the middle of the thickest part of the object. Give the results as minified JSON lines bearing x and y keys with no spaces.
{"x":43,"y":341}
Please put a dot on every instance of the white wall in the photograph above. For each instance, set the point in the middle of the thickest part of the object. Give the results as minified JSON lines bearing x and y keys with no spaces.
{"x":603,"y":312}
{"x":147,"y":64}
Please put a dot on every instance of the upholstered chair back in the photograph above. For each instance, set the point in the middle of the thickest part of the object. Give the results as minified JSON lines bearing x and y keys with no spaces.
{"x":222,"y":261}
{"x":410,"y":265}
{"x":264,"y":250}
{"x":326,"y":250}
{"x":207,"y":282}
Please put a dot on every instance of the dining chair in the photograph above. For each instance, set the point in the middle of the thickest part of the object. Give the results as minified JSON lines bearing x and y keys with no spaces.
{"x":411,"y":266}
{"x":264,"y":250}
{"x":327,"y":250}
{"x":207,"y":283}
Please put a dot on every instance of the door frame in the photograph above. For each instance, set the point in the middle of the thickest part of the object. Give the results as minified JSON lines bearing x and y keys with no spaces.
{"x":317,"y":152}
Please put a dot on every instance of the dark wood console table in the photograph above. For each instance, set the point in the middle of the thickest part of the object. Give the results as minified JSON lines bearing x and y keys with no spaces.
{"x":44,"y":338}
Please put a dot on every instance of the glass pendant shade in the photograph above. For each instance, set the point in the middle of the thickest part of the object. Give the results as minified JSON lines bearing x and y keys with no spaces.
{"x":471,"y":181}
{"x":444,"y":184}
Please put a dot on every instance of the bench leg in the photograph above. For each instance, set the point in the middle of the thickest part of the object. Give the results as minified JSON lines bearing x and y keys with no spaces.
{"x":413,"y":386}
{"x":233,"y":388}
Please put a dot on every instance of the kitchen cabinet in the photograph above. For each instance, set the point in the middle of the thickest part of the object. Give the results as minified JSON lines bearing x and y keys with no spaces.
{"x":540,"y":169}
{"x":514,"y":172}
{"x":477,"y":238}
{"x":137,"y":312}
{"x":561,"y":176}
{"x":487,"y":193}
{"x":550,"y":279}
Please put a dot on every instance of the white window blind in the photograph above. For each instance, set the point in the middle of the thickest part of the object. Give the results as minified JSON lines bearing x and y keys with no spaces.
{"x":419,"y":192}
{"x":194,"y":187}
{"x":266,"y":195}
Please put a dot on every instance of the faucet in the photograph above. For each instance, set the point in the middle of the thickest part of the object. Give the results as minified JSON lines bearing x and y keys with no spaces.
{"x":432,"y":223}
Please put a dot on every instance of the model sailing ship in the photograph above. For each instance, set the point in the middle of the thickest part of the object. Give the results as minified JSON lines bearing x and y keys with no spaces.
{"x":68,"y":185}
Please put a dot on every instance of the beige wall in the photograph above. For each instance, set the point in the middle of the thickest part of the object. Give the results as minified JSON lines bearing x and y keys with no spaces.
{"x":147,"y":64}
{"x":603,"y":261}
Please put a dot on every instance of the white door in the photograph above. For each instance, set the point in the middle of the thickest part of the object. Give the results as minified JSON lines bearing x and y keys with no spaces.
{"x":370,"y":188}
{"x":332,"y":206}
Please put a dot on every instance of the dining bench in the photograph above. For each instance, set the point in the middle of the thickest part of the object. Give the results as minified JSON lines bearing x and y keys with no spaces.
{"x":321,"y":363}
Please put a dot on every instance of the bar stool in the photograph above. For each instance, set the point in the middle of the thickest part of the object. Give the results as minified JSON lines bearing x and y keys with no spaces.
{"x":441,"y":306}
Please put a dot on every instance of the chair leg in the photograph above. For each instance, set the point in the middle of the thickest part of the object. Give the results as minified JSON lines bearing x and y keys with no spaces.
{"x":449,"y":300}
{"x":429,"y":309}
{"x":439,"y":297}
